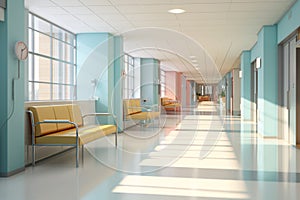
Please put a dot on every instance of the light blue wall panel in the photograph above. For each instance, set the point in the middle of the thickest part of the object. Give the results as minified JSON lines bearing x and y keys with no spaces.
{"x":149,"y":81}
{"x":266,"y":49}
{"x":11,"y":112}
{"x":95,"y":77}
{"x":270,"y":68}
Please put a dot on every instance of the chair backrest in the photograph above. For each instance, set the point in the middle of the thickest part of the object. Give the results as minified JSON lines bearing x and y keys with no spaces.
{"x":165,"y":101}
{"x":69,"y":112}
{"x":132,"y":106}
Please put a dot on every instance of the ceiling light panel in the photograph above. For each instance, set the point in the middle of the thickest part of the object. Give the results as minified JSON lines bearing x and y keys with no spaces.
{"x":176,"y":11}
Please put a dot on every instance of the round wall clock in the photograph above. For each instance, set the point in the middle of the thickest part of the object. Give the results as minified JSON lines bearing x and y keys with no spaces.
{"x":21,"y":50}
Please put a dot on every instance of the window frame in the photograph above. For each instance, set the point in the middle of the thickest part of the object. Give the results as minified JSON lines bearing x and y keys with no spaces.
{"x":129,"y":77}
{"x":66,"y":80}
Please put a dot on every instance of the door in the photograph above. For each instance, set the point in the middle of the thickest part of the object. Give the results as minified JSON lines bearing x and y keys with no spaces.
{"x":289,"y":91}
{"x":292,"y":92}
{"x":286,"y":92}
{"x":254,"y":93}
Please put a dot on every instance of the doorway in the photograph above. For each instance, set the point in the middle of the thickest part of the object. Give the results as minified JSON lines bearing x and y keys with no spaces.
{"x":289,"y":91}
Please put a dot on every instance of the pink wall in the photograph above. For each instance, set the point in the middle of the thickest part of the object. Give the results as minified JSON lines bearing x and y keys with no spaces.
{"x":178,"y":85}
{"x":171,"y":84}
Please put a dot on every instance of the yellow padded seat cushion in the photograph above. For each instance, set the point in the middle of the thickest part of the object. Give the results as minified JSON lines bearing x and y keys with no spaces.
{"x":75,"y":114}
{"x":86,"y":135}
{"x":42,"y":113}
{"x":172,"y":105}
{"x":62,"y":113}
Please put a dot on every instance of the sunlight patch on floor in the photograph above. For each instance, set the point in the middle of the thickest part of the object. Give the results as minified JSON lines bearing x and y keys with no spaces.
{"x":187,"y":187}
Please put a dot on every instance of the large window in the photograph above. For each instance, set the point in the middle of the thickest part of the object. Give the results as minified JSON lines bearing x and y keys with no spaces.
{"x":52,"y":61}
{"x":129,"y":77}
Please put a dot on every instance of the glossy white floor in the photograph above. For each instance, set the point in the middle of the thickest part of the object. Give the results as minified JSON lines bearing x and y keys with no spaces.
{"x":197,"y":155}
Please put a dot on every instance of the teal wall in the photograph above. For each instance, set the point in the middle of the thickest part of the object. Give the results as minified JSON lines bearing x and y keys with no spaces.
{"x":149,"y":81}
{"x":289,"y":22}
{"x":246,"y":85}
{"x":266,"y":49}
{"x":98,"y":59}
{"x":228,"y":83}
{"x":12,"y":130}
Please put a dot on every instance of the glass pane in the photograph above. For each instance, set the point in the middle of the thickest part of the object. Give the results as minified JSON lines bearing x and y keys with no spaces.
{"x":57,"y":50}
{"x":69,"y":92}
{"x":65,"y":92}
{"x":130,"y":60}
{"x":69,"y":38}
{"x":42,"y":44}
{"x":67,"y":53}
{"x":58,"y":33}
{"x":63,"y":73}
{"x":30,"y":20}
{"x":70,"y":74}
{"x":42,"y":69}
{"x":42,"y":91}
{"x":41,"y":25}
{"x":57,"y":92}
{"x":30,"y":91}
{"x":30,"y":67}
{"x":62,"y":51}
{"x":30,"y":40}
{"x":58,"y":72}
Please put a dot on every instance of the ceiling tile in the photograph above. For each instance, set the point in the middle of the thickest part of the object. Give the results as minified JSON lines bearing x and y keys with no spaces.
{"x":206,"y":30}
{"x":77,"y":10}
{"x":67,"y":2}
{"x":96,"y":2}
{"x":104,"y":10}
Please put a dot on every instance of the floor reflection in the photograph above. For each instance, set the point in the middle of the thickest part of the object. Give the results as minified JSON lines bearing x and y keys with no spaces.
{"x":196,"y":155}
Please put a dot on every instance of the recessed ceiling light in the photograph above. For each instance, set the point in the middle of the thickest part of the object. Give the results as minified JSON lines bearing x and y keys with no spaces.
{"x":194,"y":61}
{"x":176,"y":11}
{"x":192,"y":57}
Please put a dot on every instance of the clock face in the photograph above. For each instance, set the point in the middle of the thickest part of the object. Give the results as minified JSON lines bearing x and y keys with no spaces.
{"x":21,"y":50}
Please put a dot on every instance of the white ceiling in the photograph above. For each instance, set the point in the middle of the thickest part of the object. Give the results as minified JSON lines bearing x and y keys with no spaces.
{"x":212,"y":32}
